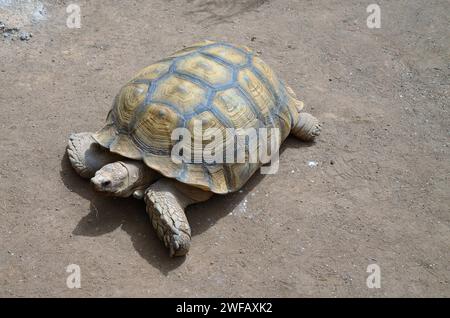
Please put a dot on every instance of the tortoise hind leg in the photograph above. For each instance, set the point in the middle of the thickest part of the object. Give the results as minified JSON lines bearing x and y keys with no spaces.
{"x":307,"y":127}
{"x":86,"y":156}
{"x":166,"y":200}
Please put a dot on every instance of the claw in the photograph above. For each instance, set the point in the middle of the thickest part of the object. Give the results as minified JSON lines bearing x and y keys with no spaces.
{"x":174,"y":246}
{"x":171,"y":251}
{"x":178,"y":246}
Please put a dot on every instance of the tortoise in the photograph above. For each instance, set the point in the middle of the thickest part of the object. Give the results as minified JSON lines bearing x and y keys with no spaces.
{"x":217,"y":84}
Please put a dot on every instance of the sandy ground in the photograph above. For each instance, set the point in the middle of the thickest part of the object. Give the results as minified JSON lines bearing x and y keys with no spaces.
{"x":379,"y":194}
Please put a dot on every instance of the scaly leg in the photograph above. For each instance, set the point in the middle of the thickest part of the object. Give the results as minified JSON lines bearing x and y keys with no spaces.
{"x":86,"y":156}
{"x":307,"y":128}
{"x":166,"y":200}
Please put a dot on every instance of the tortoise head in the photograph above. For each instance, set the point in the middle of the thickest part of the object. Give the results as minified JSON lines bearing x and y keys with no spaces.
{"x":113,"y":179}
{"x":123,"y":179}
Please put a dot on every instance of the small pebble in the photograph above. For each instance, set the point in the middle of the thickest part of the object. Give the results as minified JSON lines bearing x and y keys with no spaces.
{"x":312,"y":164}
{"x":25,"y":36}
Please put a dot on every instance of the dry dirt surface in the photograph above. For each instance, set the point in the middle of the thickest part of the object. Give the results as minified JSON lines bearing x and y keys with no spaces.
{"x":379,"y":193}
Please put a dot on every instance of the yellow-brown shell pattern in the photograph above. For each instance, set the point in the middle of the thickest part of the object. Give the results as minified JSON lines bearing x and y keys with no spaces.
{"x":221,"y":85}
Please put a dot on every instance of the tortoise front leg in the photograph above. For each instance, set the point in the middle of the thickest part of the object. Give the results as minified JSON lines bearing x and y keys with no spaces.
{"x":86,"y":155}
{"x":166,"y":200}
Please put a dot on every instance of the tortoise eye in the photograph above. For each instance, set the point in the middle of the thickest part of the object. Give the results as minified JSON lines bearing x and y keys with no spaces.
{"x":106,"y":183}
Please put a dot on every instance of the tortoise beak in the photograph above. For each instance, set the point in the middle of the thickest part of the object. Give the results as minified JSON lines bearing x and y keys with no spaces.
{"x":100,"y":183}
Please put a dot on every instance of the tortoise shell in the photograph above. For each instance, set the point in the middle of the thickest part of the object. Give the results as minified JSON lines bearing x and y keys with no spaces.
{"x":223,"y":85}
